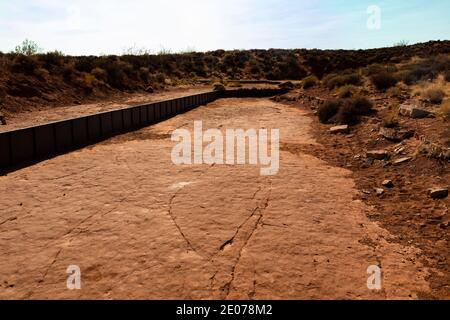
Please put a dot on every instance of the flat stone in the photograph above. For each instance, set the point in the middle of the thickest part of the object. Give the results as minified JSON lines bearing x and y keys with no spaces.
{"x":396,"y":135}
{"x":377,"y":154}
{"x":413,"y":112}
{"x":340,"y":129}
{"x":438,"y":193}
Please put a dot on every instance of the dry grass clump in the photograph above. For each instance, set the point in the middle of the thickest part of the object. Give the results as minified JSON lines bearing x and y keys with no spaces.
{"x":344,"y":111}
{"x":309,"y":82}
{"x":348,"y":91}
{"x":434,"y":95}
{"x":333,"y":81}
{"x":445,"y":110}
{"x":383,"y":81}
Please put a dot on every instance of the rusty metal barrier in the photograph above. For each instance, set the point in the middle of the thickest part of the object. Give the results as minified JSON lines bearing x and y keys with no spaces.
{"x":23,"y":147}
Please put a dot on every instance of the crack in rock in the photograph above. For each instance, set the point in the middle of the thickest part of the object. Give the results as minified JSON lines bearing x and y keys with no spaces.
{"x":261,"y":209}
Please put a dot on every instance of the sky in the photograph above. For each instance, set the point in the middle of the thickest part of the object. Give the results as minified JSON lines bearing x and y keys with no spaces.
{"x":85,"y":27}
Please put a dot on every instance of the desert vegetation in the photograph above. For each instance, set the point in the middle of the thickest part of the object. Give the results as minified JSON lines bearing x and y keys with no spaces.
{"x":55,"y":78}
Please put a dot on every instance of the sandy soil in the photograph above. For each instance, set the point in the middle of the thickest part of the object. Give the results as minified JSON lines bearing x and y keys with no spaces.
{"x":141,"y":227}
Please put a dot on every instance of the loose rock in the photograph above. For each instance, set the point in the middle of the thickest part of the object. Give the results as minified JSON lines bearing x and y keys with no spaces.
{"x":379,"y":191}
{"x":288,"y":85}
{"x":438,"y":193}
{"x":388,"y":184}
{"x":340,"y":129}
{"x":396,"y":135}
{"x":413,"y":112}
{"x":219,"y":87}
{"x":377,"y":154}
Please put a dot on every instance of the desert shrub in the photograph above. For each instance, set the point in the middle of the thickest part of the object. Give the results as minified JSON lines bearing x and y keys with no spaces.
{"x":447,"y":75}
{"x":361,"y":106}
{"x":352,"y":109}
{"x":159,"y":77}
{"x":24,"y":64}
{"x":117,"y":78}
{"x":347,"y":91}
{"x":52,"y":59}
{"x":85,"y":64}
{"x":445,"y":110}
{"x":433,"y":95}
{"x":309,"y":82}
{"x":346,"y":114}
{"x":328,"y":110}
{"x":28,"y":48}
{"x":41,"y":73}
{"x":394,"y":92}
{"x":144,"y":74}
{"x":344,"y":111}
{"x":68,"y":72}
{"x":390,"y":121}
{"x":418,"y":71}
{"x":100,"y":74}
{"x":336,"y":81}
{"x":87,"y":82}
{"x":383,"y":81}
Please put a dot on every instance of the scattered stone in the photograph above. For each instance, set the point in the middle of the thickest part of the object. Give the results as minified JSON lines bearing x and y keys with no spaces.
{"x":379,"y":191}
{"x":413,"y":112}
{"x":377,"y":154}
{"x":288,"y":85}
{"x":366,"y":191}
{"x":399,"y":150}
{"x":340,"y":129}
{"x":219,"y":87}
{"x":438,"y":193}
{"x":396,"y":135}
{"x":388,"y":184}
{"x":402,"y":160}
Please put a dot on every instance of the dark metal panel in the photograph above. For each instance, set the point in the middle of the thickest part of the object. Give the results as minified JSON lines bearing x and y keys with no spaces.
{"x":178,"y":105}
{"x":157,"y":107}
{"x":63,"y":135}
{"x":173,"y":107}
{"x":163,"y":110}
{"x":127,"y":119}
{"x":106,"y":124}
{"x":22,"y":145}
{"x":5,"y":156}
{"x":80,"y":131}
{"x":45,"y":140}
{"x":144,"y":116}
{"x":136,"y":115}
{"x":151,"y":113}
{"x":94,"y":127}
{"x":117,"y":121}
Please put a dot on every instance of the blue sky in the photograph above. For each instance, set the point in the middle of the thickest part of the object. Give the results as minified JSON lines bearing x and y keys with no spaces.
{"x":110,"y":26}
